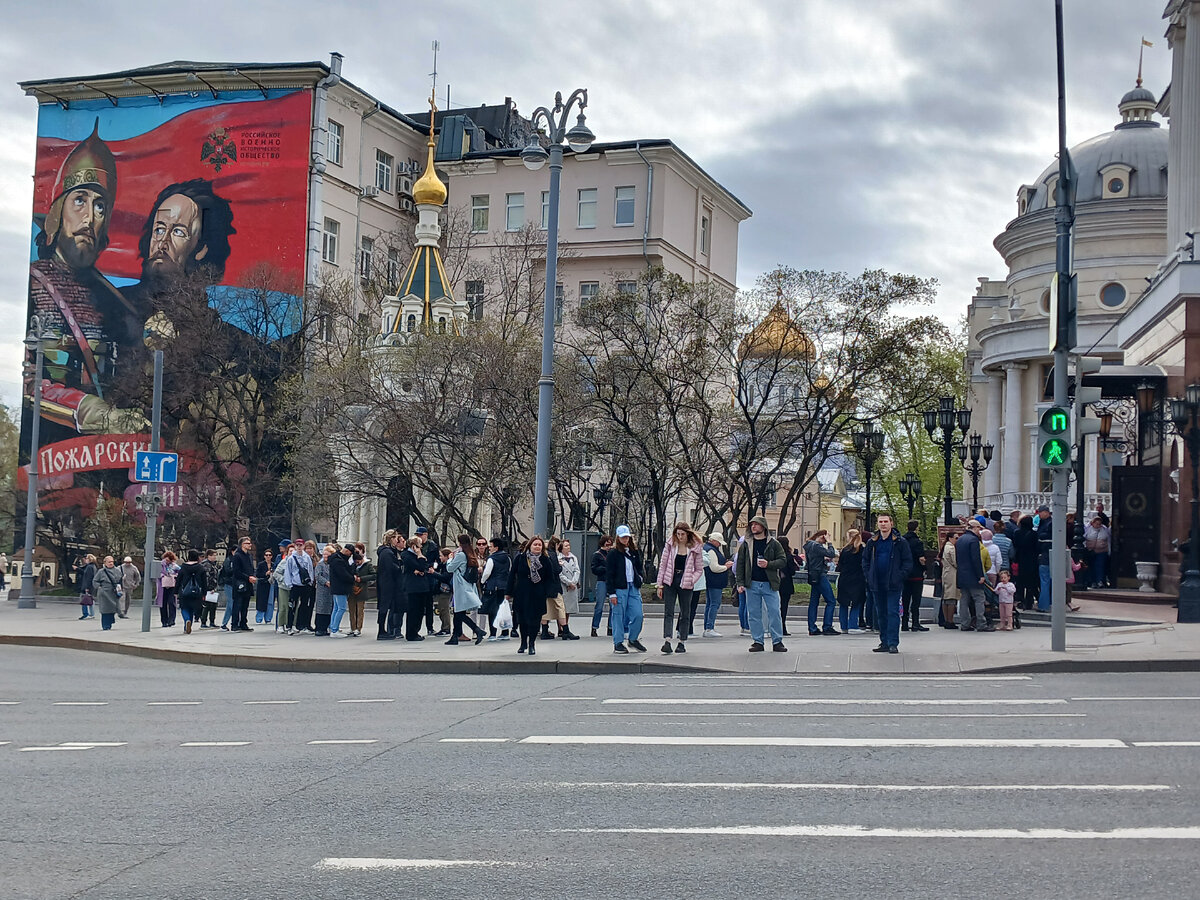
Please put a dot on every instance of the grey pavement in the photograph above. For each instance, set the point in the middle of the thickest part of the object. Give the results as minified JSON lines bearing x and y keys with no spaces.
{"x":590,"y":786}
{"x":1103,"y":636}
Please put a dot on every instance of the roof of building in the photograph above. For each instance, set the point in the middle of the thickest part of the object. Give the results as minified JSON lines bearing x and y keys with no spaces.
{"x":502,"y":125}
{"x":425,"y":278}
{"x":777,"y":335}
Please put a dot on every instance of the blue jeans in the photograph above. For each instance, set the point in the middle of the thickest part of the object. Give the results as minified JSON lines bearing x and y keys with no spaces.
{"x":1099,"y":569}
{"x":106,"y":620}
{"x":1044,"y":596}
{"x":270,"y":606}
{"x":712,"y":603}
{"x":87,"y":611}
{"x":228,"y":605}
{"x":848,"y":616}
{"x":743,"y":615}
{"x":821,"y":589}
{"x":339,"y":610}
{"x":887,"y":616}
{"x":601,"y":602}
{"x":758,"y":595}
{"x":627,"y":615}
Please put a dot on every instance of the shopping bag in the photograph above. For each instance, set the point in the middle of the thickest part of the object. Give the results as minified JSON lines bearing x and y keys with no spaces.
{"x":504,"y":617}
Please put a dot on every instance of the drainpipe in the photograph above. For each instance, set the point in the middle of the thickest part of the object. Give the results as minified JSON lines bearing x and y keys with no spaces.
{"x":649,"y":203}
{"x":359,"y":199}
{"x":316,"y":169}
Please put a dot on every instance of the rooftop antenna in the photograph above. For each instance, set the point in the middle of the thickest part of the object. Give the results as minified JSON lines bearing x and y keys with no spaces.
{"x":437,"y":45}
{"x":1142,"y":50}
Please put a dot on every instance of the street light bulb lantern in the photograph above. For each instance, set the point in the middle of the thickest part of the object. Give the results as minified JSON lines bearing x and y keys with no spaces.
{"x":877,"y":441}
{"x":964,"y":420}
{"x":962,"y":453}
{"x":580,"y":137}
{"x":1179,"y":412}
{"x":917,"y":486}
{"x":931,"y":420}
{"x":1106,"y":419}
{"x":1192,"y":393}
{"x":988,"y":450}
{"x":1145,"y":397}
{"x":860,"y":441}
{"x":534,"y":156}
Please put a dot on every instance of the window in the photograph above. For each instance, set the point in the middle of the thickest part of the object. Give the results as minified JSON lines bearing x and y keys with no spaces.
{"x":474,"y":296}
{"x":587,"y":445}
{"x":705,"y":236}
{"x":627,"y":288}
{"x":393,"y":273}
{"x":588,"y":291}
{"x":1112,"y":295}
{"x":411,"y":324}
{"x":587,"y":208}
{"x":514,"y":212}
{"x":623,"y":213}
{"x":329,"y":241}
{"x":480,"y":204}
{"x":333,"y":143}
{"x":365,"y":253}
{"x":325,"y":326}
{"x":441,"y":324}
{"x":383,"y":171}
{"x":1052,"y":191}
{"x":1044,"y":302}
{"x":560,"y":301}
{"x":545,"y":210}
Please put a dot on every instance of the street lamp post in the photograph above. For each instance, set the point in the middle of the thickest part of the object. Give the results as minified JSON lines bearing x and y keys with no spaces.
{"x":969,"y":453}
{"x":35,"y":342}
{"x":910,"y":490}
{"x":1185,"y":413}
{"x":945,"y":418}
{"x":602,"y":494}
{"x":868,"y":444}
{"x":580,"y":139}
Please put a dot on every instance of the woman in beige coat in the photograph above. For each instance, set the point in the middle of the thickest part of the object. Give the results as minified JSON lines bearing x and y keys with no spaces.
{"x":950,"y":592}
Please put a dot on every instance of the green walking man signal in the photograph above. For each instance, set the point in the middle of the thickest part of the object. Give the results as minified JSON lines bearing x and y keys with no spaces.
{"x":1054,"y":438}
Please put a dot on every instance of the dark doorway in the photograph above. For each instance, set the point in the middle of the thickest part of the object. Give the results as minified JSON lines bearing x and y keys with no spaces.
{"x":1136,"y":518}
{"x":400,"y":504}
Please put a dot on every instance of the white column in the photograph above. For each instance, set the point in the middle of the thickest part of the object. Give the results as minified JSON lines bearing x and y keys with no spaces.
{"x":1012,"y":446}
{"x":1177,"y":40}
{"x":1186,"y":117}
{"x":991,"y":475}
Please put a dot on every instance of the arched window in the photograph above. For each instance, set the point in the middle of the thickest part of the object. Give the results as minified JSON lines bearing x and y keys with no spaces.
{"x":412,"y":323}
{"x":442,"y":325}
{"x":1112,"y":295}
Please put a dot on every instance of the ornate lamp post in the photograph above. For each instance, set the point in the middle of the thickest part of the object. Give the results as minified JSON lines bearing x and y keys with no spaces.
{"x":973,"y":449}
{"x":580,"y":138}
{"x":945,"y":418}
{"x":868,"y":444}
{"x":910,"y":490}
{"x":1185,"y":413}
{"x":35,"y":342}
{"x":602,"y":494}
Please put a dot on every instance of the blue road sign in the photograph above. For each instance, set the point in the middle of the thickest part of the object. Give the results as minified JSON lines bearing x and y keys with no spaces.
{"x":160,"y":467}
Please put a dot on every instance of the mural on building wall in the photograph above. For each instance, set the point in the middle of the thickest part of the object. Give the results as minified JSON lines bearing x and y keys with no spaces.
{"x":167,"y":216}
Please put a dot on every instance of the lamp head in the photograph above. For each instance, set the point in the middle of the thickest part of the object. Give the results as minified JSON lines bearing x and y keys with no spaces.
{"x":917,"y":486}
{"x":964,"y":420}
{"x":877,"y":441}
{"x":534,"y":156}
{"x":580,"y":137}
{"x":962,"y":453}
{"x":931,"y":417}
{"x":860,"y":440}
{"x":1105,"y":424}
{"x":988,"y":450}
{"x":1179,"y":412}
{"x":1192,"y":394}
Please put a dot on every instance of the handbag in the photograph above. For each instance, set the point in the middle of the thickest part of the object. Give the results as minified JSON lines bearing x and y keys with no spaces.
{"x":86,"y":599}
{"x":168,"y":580}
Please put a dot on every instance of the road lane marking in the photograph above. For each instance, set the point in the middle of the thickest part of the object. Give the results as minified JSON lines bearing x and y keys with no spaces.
{"x":819,"y":701}
{"x":5,"y":743}
{"x":547,"y":699}
{"x":269,"y":702}
{"x":1185,"y":833}
{"x":380,"y":700}
{"x":1138,"y":699}
{"x":767,"y":785}
{"x":473,"y":741}
{"x":94,"y":744}
{"x":363,"y":863}
{"x":81,"y":703}
{"x":174,"y":703}
{"x":10,"y":702}
{"x":469,"y":699}
{"x":349,"y":741}
{"x":214,"y":744}
{"x":687,"y":741}
{"x":717,"y":677}
{"x":873,"y":716}
{"x":1166,"y":743}
{"x":49,"y":749}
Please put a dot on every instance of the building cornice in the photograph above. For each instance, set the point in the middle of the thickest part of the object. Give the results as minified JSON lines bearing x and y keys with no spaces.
{"x":1095,"y":220}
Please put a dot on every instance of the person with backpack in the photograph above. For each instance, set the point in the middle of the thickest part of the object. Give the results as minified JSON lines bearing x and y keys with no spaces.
{"x":193,"y":582}
{"x":464,"y":568}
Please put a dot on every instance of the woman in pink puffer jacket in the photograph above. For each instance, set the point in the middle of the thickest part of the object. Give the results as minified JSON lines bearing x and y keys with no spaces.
{"x":679,"y":569}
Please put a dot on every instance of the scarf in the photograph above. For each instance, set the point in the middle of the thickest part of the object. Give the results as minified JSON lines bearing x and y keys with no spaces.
{"x":535,"y":568}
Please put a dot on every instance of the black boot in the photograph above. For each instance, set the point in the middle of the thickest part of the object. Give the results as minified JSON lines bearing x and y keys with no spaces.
{"x":546,"y":635}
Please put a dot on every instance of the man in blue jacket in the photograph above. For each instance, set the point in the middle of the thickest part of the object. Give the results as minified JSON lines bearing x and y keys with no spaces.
{"x":968,"y":550}
{"x":886,"y":562}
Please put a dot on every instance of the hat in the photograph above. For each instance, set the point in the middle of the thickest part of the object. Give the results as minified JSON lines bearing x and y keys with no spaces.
{"x":1043,"y":508}
{"x":298,"y":542}
{"x":90,"y":164}
{"x":284,"y":543}
{"x":717,"y":538}
{"x":761,"y":520}
{"x":422,"y":530}
{"x":129,"y":559}
{"x":986,"y":534}
{"x":623,"y":531}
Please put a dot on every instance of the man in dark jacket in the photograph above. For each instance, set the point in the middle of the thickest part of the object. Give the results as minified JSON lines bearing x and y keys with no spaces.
{"x":599,"y":565}
{"x":887,"y":562}
{"x":972,"y":575}
{"x":914,"y":584}
{"x":1045,"y":541}
{"x":243,"y":584}
{"x":817,"y":555}
{"x":418,"y":589}
{"x":388,"y":575}
{"x":757,"y":571}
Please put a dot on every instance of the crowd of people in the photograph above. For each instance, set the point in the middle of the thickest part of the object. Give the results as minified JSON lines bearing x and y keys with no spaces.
{"x":481,"y":589}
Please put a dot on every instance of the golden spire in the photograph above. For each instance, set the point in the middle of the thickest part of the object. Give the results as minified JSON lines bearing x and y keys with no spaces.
{"x":429,"y":189}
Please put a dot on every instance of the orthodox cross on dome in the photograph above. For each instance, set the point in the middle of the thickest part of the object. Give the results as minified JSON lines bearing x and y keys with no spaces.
{"x":1142,"y":50}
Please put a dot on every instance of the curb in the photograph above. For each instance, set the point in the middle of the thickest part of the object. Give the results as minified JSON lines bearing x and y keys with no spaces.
{"x":528,"y":667}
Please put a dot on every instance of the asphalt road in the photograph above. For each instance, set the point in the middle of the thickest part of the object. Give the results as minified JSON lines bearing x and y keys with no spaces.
{"x":339,"y":786}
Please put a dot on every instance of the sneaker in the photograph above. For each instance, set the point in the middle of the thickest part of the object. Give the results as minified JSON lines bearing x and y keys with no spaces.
{"x":666,"y":647}
{"x":756,"y":647}
{"x":680,"y":648}
{"x":856,"y":631}
{"x":779,"y":648}
{"x":506,"y":637}
{"x":919,"y":628}
{"x":620,"y":648}
{"x":492,"y":639}
{"x":813,"y":633}
{"x":831,"y":631}
{"x":745,"y":633}
{"x":893,"y":649}
{"x":638,"y":646}
{"x":338,"y":634}
{"x":882,"y":648}
{"x":966,"y":627}
{"x":187,"y":627}
{"x":711,"y":632}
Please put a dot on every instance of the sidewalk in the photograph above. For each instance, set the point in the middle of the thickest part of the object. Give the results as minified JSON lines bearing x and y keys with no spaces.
{"x":1102,"y":637}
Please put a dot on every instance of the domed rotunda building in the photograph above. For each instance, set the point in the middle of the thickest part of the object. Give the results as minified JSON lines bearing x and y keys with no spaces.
{"x":1120,"y":237}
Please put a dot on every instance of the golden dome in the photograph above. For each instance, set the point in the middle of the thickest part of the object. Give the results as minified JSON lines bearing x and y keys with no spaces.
{"x":777,"y":335}
{"x":429,"y":188}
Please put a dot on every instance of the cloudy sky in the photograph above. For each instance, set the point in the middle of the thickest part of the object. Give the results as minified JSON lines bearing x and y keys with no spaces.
{"x":862,"y":133}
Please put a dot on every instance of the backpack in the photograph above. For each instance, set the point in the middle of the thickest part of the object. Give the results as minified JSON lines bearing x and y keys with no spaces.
{"x":193,"y":590}
{"x":226,"y":576}
{"x":471,"y":574}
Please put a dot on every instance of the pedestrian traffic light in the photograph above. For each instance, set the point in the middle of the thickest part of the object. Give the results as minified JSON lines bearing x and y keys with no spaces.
{"x":1054,"y":438}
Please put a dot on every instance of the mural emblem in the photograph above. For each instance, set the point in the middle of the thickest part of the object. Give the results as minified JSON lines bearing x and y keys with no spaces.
{"x":218,"y":149}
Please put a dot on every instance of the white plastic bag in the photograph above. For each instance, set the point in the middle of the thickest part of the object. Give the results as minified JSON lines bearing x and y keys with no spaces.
{"x":504,"y":617}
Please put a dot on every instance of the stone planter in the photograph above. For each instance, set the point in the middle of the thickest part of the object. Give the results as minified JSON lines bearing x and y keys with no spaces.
{"x":1147,"y":574}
